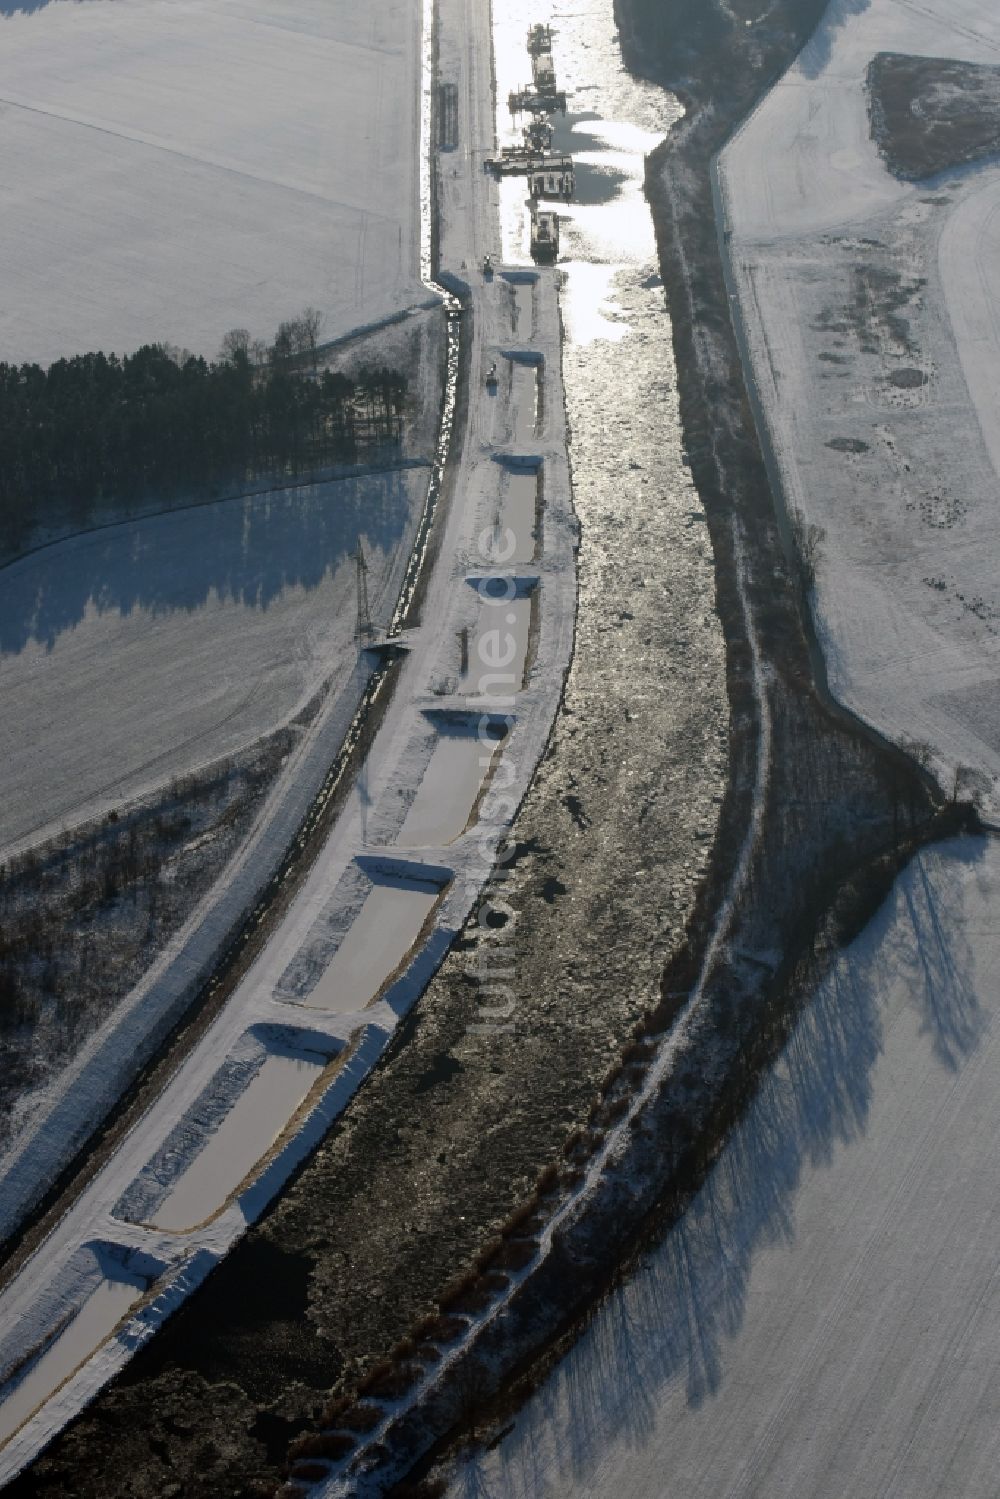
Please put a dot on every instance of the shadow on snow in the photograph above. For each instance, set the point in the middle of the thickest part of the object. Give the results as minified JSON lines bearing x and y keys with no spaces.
{"x":246,"y":550}
{"x":672,"y":1319}
{"x":816,"y":54}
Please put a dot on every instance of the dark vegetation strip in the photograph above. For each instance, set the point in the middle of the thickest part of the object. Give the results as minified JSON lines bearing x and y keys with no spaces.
{"x":931,"y":114}
{"x":94,"y":431}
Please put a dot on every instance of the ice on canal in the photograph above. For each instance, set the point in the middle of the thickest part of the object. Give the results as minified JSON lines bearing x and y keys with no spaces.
{"x":88,"y":1328}
{"x":244,"y":1136}
{"x":378,"y":940}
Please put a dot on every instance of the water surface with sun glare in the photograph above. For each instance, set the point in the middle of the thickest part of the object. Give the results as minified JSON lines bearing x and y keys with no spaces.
{"x":641,"y":746}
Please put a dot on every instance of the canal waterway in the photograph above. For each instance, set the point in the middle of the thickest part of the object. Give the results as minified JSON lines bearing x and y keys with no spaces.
{"x":639,"y":758}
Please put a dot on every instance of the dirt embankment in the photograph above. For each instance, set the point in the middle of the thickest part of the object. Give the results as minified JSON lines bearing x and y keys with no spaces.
{"x":448,"y":1134}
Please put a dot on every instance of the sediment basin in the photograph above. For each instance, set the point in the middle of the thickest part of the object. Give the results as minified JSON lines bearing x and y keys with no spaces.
{"x":246,"y":1133}
{"x":377,"y":941}
{"x":86,"y":1330}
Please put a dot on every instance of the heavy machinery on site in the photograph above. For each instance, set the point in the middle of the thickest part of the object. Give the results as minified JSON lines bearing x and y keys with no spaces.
{"x":550,"y":174}
{"x":544,"y":235}
{"x":539,"y":39}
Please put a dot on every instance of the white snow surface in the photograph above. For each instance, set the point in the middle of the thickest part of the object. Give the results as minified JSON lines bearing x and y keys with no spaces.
{"x":825,"y":1319}
{"x":143,"y":650}
{"x":175,"y":168}
{"x":907,"y":597}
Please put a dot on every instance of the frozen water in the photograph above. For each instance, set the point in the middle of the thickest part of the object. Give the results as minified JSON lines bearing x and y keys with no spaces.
{"x":377,"y":941}
{"x":96,"y":1319}
{"x":246,"y":1133}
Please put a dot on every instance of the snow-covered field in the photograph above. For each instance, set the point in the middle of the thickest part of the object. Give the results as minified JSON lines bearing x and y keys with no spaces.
{"x":872,"y":314}
{"x":141,"y":651}
{"x":825,"y":1319}
{"x":175,"y":168}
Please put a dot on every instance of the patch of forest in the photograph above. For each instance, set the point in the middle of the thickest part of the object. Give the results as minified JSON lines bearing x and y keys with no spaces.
{"x":98,"y":429}
{"x":929,"y":114}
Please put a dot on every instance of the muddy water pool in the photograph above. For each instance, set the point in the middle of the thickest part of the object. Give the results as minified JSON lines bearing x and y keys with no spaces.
{"x":97,"y":1318}
{"x":523,"y":316}
{"x":515,"y":519}
{"x":502,"y":634}
{"x":524,"y":400}
{"x":448,"y":791}
{"x":379,"y":938}
{"x":246,"y":1133}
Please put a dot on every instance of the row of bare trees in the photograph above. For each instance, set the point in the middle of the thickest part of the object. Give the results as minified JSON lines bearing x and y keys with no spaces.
{"x":296,"y":341}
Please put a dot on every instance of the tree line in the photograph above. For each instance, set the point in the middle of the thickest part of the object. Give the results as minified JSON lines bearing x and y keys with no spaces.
{"x":97,"y":429}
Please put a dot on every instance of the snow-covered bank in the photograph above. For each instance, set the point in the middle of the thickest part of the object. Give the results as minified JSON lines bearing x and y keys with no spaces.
{"x":823,"y":1320}
{"x":249,"y":160}
{"x":136,"y":653}
{"x":142,"y":652}
{"x":869,"y":308}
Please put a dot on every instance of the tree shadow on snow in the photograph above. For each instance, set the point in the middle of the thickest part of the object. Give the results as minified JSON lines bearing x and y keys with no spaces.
{"x":21,"y":7}
{"x":247,"y":551}
{"x":815,"y":55}
{"x":674,"y":1318}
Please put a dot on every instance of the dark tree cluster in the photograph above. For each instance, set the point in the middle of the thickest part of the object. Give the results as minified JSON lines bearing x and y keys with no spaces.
{"x":97,"y":429}
{"x":930,"y":114}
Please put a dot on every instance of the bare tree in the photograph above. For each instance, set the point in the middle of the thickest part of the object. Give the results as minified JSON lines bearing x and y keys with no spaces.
{"x":311,"y":321}
{"x":177,"y":355}
{"x":298,"y":336}
{"x":236,"y":346}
